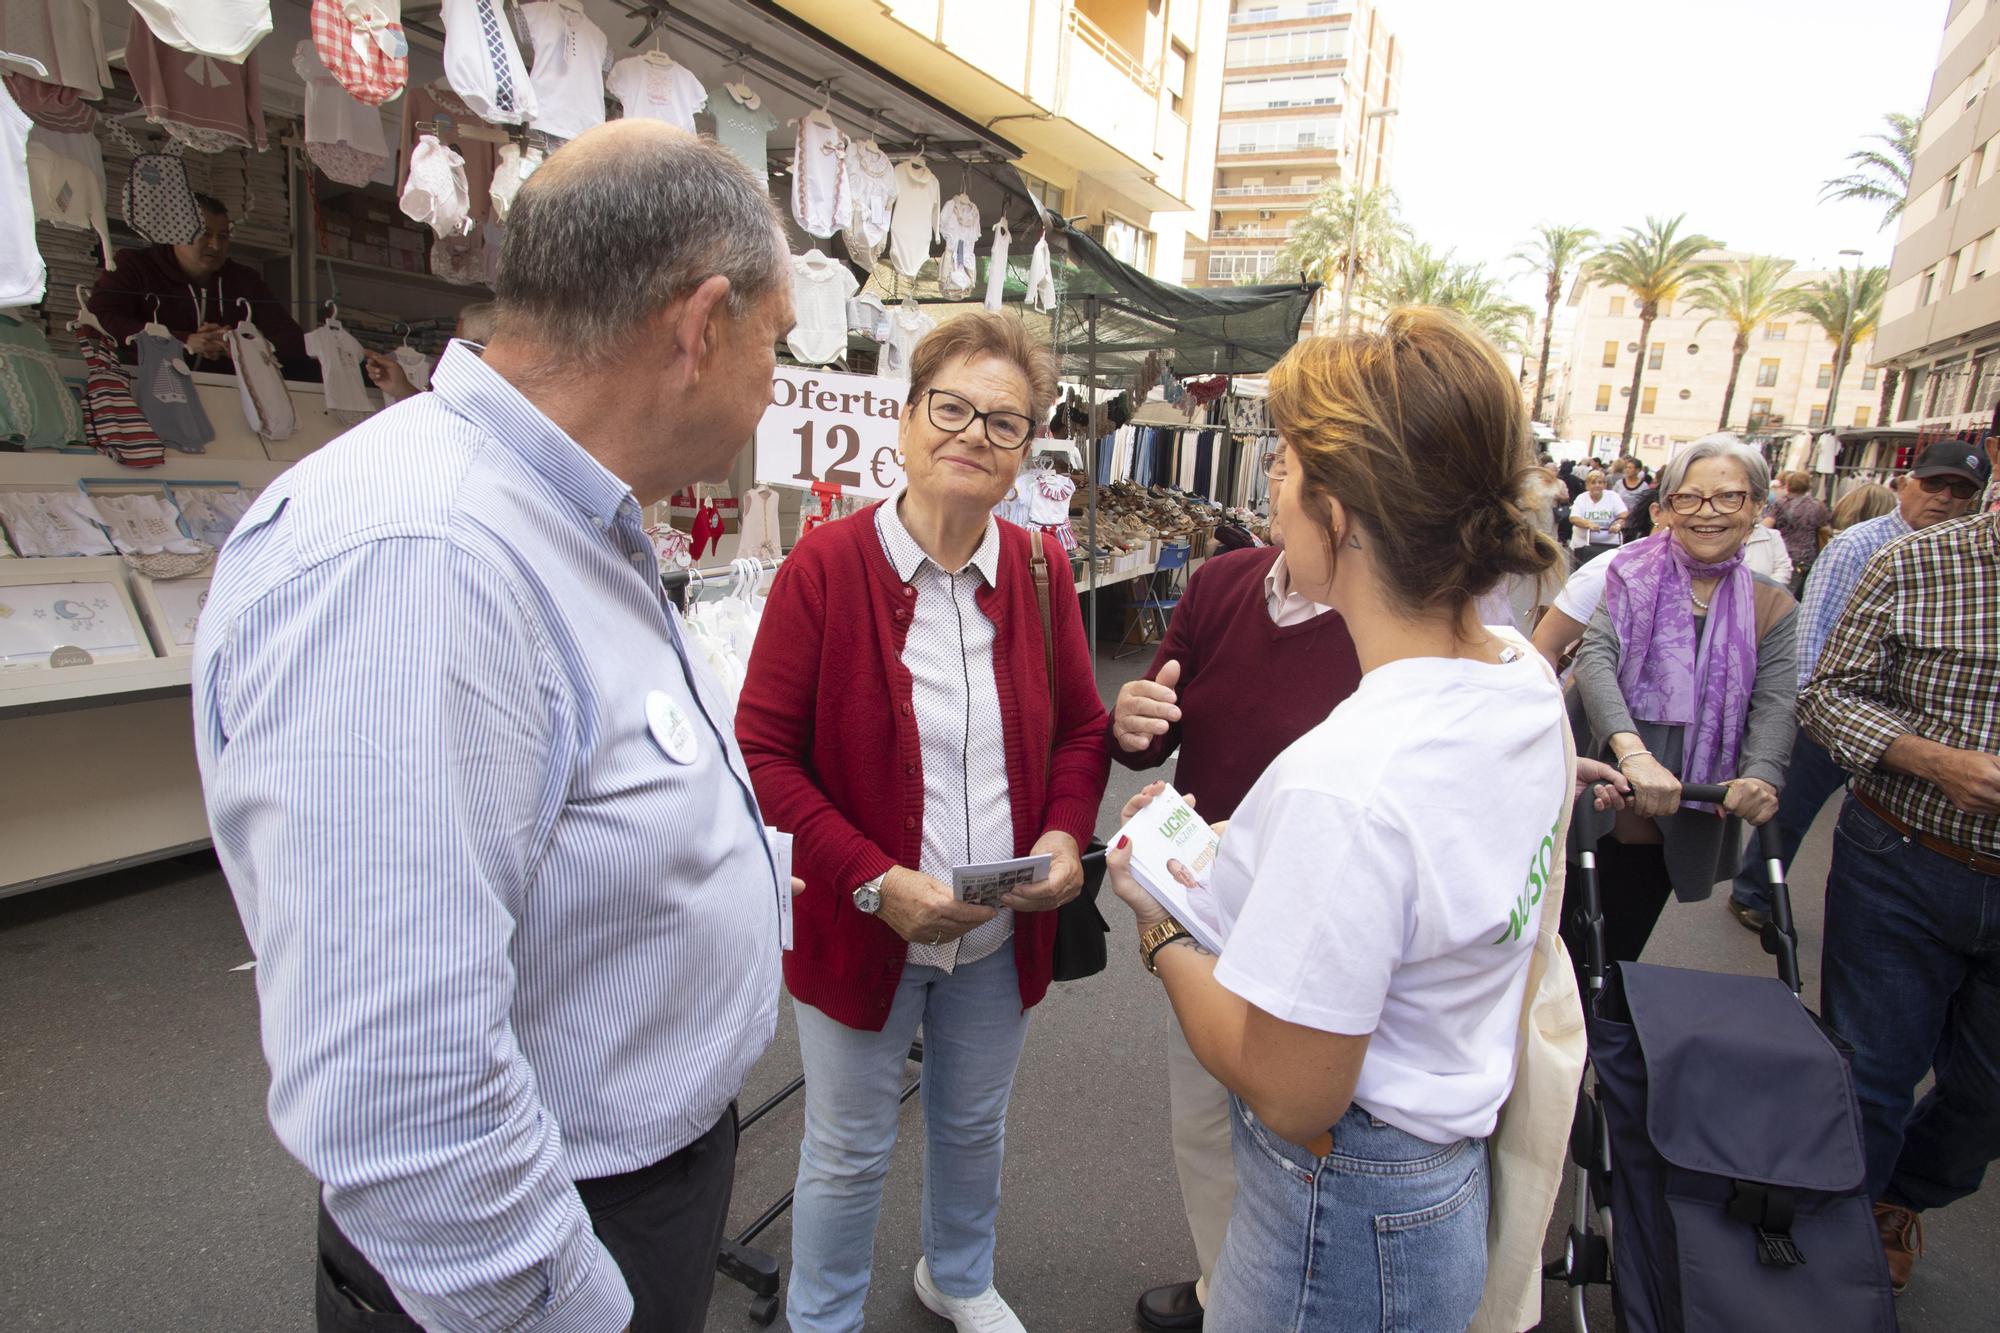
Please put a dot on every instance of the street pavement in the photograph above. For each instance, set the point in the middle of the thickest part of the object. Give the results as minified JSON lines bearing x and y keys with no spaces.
{"x":141,"y":1188}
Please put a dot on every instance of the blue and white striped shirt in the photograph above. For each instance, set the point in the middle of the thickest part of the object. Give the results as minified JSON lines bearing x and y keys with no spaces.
{"x":505,"y":939}
{"x":1835,"y":576}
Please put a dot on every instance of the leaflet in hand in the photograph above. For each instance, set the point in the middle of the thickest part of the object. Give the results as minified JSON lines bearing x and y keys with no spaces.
{"x":1173,"y":854}
{"x":986,"y":885}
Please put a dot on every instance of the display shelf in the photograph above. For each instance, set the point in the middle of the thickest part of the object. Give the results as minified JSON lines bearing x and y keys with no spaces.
{"x":1127,"y":575}
{"x":472,"y":291}
{"x":62,"y":689}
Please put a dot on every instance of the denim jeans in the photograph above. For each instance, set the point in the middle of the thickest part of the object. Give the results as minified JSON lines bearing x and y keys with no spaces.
{"x":1811,"y":779}
{"x":973,"y":1030}
{"x":1388,"y":1232}
{"x":1910,"y":975}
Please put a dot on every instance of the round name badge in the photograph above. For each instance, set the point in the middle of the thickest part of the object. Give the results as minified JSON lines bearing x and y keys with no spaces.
{"x":671,"y":727}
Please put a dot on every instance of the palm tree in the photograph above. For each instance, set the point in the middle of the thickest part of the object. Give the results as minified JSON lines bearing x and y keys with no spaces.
{"x":1346,"y":233}
{"x":1848,"y":308}
{"x":1881,"y":175}
{"x":1555,"y":250}
{"x":1743,"y":295}
{"x":1654,"y":263}
{"x":1419,"y":275}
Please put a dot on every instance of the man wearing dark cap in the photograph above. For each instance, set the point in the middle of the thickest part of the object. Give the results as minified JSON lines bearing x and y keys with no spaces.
{"x":1945,"y":484}
{"x":1907,"y":699}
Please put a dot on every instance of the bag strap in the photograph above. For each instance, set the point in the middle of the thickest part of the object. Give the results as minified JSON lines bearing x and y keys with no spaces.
{"x":123,"y":137}
{"x":1038,"y":569}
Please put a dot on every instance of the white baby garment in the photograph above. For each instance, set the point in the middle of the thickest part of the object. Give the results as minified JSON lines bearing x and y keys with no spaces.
{"x":820,"y":288}
{"x":871,"y":185}
{"x":570,"y":56}
{"x":653,"y":87}
{"x":436,"y":192}
{"x":914,"y":223}
{"x":267,"y":404}
{"x":743,"y":125}
{"x":344,"y":135}
{"x":907,"y":327}
{"x":482,"y":63}
{"x":996,"y":265}
{"x":958,"y":225}
{"x":820,"y":202}
{"x":509,"y":174}
{"x":339,"y":357}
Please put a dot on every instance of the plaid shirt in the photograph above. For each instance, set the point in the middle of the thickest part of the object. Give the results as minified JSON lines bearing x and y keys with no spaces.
{"x":1917,"y":654}
{"x":1834,"y":577}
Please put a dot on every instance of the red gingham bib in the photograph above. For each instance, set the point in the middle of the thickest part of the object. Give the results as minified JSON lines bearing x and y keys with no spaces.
{"x":349,"y":36}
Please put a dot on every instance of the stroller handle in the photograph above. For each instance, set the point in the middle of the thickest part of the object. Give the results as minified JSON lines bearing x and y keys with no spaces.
{"x":1768,"y":842}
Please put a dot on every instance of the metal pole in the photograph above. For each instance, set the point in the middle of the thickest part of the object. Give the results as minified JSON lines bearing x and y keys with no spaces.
{"x":1090,"y":481}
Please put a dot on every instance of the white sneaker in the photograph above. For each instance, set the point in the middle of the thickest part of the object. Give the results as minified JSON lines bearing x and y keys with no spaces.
{"x":984,"y":1313}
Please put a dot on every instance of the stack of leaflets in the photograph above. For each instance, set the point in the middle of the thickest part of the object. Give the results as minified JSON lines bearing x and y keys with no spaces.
{"x":1173,"y":855}
{"x":985,"y":885}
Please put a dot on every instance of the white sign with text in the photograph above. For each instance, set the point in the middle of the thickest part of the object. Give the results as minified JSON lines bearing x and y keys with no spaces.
{"x":831,"y":427}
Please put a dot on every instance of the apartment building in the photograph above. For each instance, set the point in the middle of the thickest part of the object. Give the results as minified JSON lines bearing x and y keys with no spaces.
{"x":1784,"y":383}
{"x":1101,"y":95}
{"x":1941,"y":317}
{"x":1298,"y":81}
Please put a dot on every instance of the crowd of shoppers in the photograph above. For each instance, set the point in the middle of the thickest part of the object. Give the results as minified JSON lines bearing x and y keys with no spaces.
{"x":518,"y":891}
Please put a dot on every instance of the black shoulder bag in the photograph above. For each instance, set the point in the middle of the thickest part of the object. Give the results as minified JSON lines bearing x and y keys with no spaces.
{"x":1080,"y":927}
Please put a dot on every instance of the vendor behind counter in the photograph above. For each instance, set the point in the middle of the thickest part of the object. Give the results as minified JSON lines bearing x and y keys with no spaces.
{"x":198,"y":287}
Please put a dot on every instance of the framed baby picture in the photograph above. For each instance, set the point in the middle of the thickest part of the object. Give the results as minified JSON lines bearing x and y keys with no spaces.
{"x":171,"y":609}
{"x":67,"y":603}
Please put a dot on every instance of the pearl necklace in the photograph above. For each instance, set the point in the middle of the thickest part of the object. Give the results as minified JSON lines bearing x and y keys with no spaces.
{"x":1699,"y":604}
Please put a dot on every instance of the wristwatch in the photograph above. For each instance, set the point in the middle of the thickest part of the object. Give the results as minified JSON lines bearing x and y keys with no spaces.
{"x":868,"y":897}
{"x":1157,"y":937}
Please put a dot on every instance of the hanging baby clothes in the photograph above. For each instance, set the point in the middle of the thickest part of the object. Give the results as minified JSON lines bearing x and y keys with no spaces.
{"x":907,"y":326}
{"x":267,"y":403}
{"x":441,"y":111}
{"x":166,"y":392}
{"x":436,"y":192}
{"x":743,"y":125}
{"x":871,"y":185}
{"x":416,"y":366}
{"x":210,"y":105}
{"x":653,"y":87}
{"x":112,"y":422}
{"x":958,"y":226}
{"x":510,"y":174}
{"x":996,"y":265}
{"x":914,"y":222}
{"x":1049,"y":495}
{"x":224,"y":29}
{"x":36,"y":407}
{"x":64,"y":35}
{"x":23,"y":277}
{"x":820,"y":288}
{"x":51,"y":105}
{"x":760,"y":536}
{"x":339,"y":357}
{"x":1041,"y":282}
{"x":707,"y":530}
{"x":867,"y":316}
{"x":570,"y":56}
{"x":363,"y":47}
{"x":820,"y":202}
{"x":483,"y":64}
{"x":343,"y":137}
{"x":66,"y":180}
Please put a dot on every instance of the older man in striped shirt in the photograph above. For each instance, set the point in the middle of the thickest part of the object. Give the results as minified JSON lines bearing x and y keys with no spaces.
{"x":515,"y":918}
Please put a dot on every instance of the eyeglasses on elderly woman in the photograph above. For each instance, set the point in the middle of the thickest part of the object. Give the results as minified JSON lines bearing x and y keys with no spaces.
{"x":1004,"y":430}
{"x":1688,"y":503}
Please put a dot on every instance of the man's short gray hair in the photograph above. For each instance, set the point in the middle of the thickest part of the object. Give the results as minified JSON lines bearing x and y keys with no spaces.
{"x":602,"y":242}
{"x":1722,"y":444}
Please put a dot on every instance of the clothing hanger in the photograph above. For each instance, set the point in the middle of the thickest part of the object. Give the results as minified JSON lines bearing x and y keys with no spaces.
{"x":41,"y":70}
{"x":332,"y":320}
{"x":744,"y":94}
{"x":83,"y":315}
{"x":153,"y":325}
{"x":243,"y":302}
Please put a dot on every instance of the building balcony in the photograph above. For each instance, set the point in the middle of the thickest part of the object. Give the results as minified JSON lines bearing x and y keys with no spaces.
{"x":1267,"y":196}
{"x":1224,"y":234}
{"x":1316,"y":153}
{"x":1295,"y":11}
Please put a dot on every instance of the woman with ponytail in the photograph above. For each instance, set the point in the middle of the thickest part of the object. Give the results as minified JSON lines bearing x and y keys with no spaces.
{"x":1380,"y":887}
{"x":1688,"y":673}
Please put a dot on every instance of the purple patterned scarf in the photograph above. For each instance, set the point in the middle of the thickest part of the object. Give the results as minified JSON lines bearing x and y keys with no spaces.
{"x":1664,"y":674}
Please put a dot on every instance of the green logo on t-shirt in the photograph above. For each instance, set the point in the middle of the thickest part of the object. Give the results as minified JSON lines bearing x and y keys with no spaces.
{"x":1539,"y":865}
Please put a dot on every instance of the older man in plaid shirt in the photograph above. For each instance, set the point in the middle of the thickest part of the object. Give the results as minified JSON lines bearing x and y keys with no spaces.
{"x":1907,"y":699}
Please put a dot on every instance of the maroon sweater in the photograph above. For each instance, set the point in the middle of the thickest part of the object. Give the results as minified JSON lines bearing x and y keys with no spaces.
{"x":1248,"y":689}
{"x":830,"y":736}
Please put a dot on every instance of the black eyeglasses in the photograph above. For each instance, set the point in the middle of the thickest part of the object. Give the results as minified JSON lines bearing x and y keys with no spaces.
{"x":1688,"y":503}
{"x":1004,"y":430}
{"x":1960,"y":488}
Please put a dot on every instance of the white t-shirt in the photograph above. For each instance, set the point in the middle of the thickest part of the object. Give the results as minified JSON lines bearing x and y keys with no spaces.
{"x":1584,"y":590}
{"x":820,"y":288}
{"x":22,"y":275}
{"x":655,"y":88}
{"x":568,"y":77}
{"x":1601,"y":510}
{"x":1382,"y":878}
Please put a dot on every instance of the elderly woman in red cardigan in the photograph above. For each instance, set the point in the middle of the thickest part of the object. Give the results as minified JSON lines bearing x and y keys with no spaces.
{"x":897,"y":720}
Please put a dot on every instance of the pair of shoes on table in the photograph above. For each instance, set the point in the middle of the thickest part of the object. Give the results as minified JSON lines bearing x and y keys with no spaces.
{"x":984,"y":1313}
{"x":1749,"y":917}
{"x":1170,"y":1309}
{"x":1902,"y":1235}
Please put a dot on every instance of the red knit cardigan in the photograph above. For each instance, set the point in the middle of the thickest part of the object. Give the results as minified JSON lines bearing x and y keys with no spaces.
{"x":828,"y":730}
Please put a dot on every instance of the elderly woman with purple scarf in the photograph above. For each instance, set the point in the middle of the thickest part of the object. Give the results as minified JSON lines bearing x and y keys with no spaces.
{"x":1688,"y":673}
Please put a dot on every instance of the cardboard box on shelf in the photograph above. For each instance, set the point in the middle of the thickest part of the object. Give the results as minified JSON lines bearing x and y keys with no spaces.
{"x":365,"y":252}
{"x":336,"y":247}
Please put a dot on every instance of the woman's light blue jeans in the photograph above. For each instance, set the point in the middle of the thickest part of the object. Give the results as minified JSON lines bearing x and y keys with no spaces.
{"x":1388,"y":1232}
{"x":973,"y":1027}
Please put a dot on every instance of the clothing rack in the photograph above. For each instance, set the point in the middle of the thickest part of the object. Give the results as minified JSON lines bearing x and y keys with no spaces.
{"x":676,"y":581}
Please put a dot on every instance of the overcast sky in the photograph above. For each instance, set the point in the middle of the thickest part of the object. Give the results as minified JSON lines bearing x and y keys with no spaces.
{"x":1605,"y":111}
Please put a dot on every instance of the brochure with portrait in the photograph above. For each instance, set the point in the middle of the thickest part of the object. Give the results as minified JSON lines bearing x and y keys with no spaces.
{"x":985,"y":885}
{"x":1173,"y":854}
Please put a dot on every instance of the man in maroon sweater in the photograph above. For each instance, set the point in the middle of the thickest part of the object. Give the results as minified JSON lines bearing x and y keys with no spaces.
{"x":1246,"y":668}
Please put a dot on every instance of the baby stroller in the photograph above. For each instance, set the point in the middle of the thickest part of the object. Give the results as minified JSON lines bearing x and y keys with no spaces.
{"x":1719,"y":1177}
